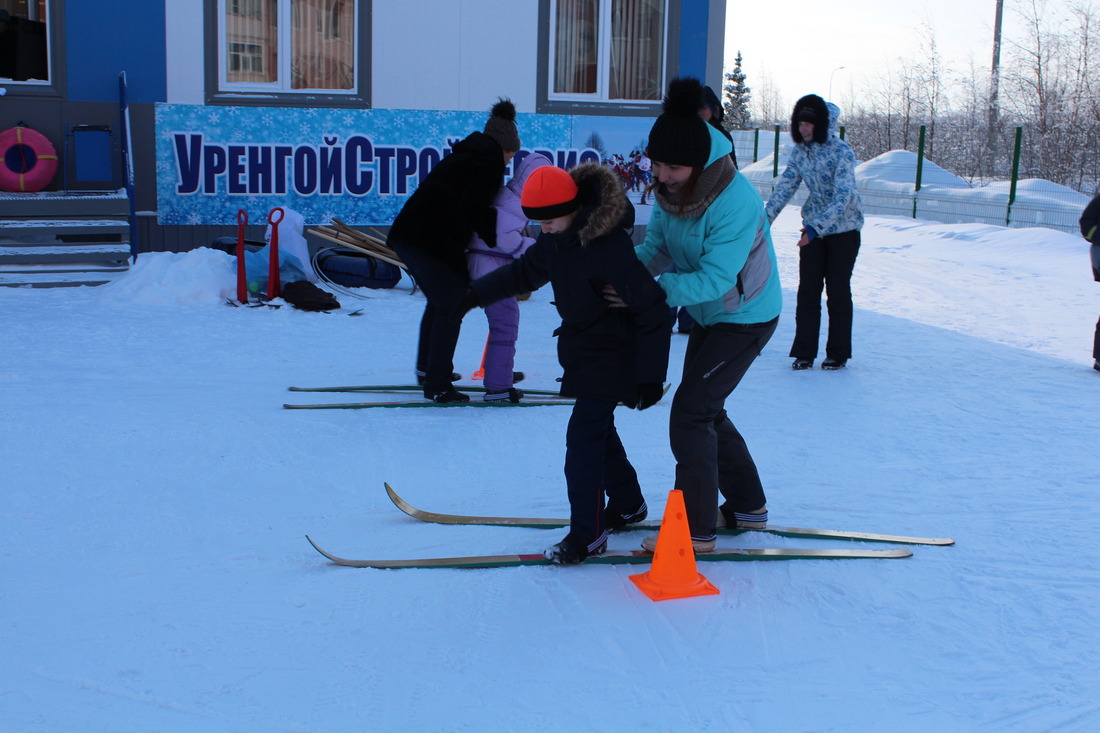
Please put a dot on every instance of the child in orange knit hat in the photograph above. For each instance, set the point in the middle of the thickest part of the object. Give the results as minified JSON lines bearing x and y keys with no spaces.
{"x":609,"y":355}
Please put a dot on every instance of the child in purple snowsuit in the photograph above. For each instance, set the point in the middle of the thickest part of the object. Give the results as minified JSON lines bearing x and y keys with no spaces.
{"x":481,"y":259}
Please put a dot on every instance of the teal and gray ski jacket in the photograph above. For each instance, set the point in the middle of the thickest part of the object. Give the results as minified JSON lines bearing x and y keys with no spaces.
{"x":725,"y":267}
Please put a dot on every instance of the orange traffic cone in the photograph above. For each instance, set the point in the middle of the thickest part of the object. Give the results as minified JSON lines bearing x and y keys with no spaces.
{"x":673,"y":573}
{"x":479,"y":374}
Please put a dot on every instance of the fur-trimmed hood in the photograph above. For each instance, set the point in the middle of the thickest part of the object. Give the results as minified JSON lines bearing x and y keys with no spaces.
{"x":603,"y":203}
{"x":827,"y":115}
{"x":827,"y":166}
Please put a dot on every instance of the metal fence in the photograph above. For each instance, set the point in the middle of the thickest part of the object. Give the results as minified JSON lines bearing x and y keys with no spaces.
{"x":908,"y":183}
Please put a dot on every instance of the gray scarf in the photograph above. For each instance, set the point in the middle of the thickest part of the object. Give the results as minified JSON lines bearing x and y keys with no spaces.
{"x":712,"y":181}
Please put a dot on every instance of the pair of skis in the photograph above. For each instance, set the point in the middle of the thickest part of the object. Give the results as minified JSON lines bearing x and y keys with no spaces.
{"x":633,"y":556}
{"x":545,"y":398}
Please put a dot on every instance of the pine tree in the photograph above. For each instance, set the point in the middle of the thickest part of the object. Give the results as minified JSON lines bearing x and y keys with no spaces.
{"x":737,"y":96}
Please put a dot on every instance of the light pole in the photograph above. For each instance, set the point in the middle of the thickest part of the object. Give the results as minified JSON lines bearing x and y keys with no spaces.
{"x":831,"y":81}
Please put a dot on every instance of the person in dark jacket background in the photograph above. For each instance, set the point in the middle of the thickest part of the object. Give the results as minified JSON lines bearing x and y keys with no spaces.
{"x":712,"y":112}
{"x":433,"y":228}
{"x":609,"y":355}
{"x":1090,"y":230}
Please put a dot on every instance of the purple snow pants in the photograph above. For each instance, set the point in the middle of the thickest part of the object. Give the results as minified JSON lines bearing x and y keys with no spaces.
{"x":500,"y":352}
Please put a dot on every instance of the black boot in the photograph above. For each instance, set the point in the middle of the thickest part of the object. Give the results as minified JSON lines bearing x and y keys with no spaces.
{"x":800,"y":364}
{"x":512,"y":395}
{"x":573,"y":550}
{"x":831,"y":363}
{"x":448,"y":395}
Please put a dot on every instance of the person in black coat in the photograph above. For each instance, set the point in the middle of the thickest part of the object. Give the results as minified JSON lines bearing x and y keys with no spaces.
{"x":609,"y":355}
{"x":1090,"y":230}
{"x":433,"y":228}
{"x":712,"y":112}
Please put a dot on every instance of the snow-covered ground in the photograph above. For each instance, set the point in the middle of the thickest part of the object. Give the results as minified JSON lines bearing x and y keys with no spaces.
{"x":154,"y":574}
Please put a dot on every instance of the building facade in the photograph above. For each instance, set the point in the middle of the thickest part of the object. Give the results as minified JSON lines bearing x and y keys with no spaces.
{"x":331,"y":102}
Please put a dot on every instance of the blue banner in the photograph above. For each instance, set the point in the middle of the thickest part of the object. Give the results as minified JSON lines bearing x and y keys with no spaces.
{"x":355,"y":165}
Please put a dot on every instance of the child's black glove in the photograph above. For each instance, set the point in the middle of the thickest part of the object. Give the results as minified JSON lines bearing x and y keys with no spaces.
{"x":649,"y":394}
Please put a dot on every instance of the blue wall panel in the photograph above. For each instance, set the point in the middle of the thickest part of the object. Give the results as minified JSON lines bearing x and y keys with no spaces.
{"x":693,"y":38}
{"x":104,"y":37}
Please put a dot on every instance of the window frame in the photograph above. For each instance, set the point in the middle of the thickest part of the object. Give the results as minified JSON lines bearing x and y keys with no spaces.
{"x":550,"y":103}
{"x":271,"y":95}
{"x":55,"y":57}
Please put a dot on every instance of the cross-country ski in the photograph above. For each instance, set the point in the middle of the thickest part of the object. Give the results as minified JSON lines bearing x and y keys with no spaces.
{"x":552,"y":523}
{"x":627,"y":557}
{"x":426,"y":403}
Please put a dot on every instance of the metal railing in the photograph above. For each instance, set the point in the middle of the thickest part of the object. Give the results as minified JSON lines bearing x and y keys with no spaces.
{"x":908,"y":183}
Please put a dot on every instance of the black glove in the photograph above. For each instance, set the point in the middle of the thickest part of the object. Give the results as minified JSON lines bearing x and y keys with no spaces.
{"x":466,"y":303}
{"x":650,"y":394}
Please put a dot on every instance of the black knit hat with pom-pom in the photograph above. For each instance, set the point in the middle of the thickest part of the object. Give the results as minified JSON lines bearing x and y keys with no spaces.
{"x":680,"y":136}
{"x":502,"y":126}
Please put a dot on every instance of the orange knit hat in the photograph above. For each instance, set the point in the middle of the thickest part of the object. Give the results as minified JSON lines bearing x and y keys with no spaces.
{"x":549,"y":193}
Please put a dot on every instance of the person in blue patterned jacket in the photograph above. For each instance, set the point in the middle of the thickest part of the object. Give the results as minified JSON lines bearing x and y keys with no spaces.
{"x":831,"y":219}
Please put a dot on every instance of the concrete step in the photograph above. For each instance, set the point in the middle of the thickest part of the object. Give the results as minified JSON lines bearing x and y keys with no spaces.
{"x":40,"y":254}
{"x":58,"y":278}
{"x":42,"y":229}
{"x":59,"y":203}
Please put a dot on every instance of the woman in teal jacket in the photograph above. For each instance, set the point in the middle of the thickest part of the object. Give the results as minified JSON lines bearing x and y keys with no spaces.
{"x":710,"y":223}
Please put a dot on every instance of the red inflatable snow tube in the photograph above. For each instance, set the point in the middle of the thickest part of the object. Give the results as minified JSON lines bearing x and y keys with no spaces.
{"x":29,"y":160}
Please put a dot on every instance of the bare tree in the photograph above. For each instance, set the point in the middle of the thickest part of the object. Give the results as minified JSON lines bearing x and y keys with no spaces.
{"x":1047,"y":87}
{"x":929,"y":72}
{"x":767,"y":105}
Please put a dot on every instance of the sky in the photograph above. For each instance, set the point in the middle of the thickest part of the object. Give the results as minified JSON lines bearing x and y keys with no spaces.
{"x":803,"y":52}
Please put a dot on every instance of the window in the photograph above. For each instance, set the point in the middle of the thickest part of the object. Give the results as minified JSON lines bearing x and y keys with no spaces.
{"x":607,"y":50}
{"x":25,"y":42}
{"x":246,"y":59}
{"x":289,"y":48}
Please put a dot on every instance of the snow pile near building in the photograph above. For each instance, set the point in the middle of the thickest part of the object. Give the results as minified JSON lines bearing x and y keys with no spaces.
{"x":203,"y":275}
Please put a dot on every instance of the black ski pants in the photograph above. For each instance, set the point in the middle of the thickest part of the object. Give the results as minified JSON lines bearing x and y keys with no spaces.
{"x":596,"y":465}
{"x":711,"y":456}
{"x":443,"y":287}
{"x":825,"y":263}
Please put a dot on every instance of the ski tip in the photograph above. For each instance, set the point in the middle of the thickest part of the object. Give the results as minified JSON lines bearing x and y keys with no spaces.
{"x":327,"y":555}
{"x":405,"y":506}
